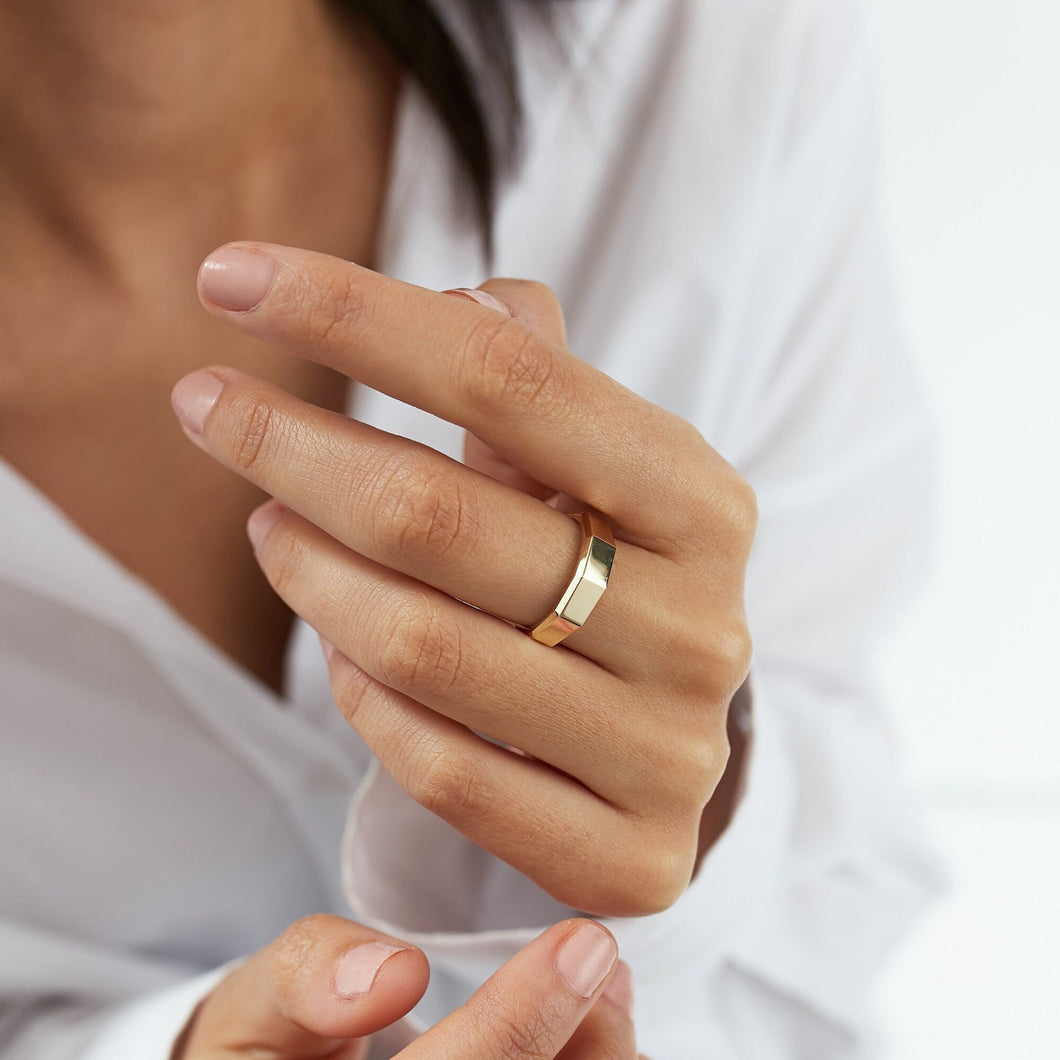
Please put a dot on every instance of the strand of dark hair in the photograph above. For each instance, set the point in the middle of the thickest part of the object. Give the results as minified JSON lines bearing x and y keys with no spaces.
{"x":421,"y":43}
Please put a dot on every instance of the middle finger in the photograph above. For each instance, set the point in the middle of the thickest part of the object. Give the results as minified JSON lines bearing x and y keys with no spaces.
{"x":419,"y":512}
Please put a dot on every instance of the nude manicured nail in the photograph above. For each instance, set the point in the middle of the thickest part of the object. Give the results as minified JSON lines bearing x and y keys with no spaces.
{"x":358,"y":968}
{"x":261,"y":521}
{"x":585,"y":958}
{"x":236,"y":280}
{"x":482,"y":297}
{"x":193,"y":397}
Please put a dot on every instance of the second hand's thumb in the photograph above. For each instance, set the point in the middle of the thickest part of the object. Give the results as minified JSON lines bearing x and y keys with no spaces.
{"x":324,"y":981}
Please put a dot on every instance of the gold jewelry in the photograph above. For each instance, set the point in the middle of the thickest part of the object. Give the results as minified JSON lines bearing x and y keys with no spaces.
{"x":586,"y":587}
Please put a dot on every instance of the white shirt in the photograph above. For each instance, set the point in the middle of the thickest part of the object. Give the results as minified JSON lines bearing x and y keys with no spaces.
{"x":698,"y":190}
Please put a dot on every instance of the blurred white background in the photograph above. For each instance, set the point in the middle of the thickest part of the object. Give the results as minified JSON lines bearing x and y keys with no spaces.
{"x":970,"y":94}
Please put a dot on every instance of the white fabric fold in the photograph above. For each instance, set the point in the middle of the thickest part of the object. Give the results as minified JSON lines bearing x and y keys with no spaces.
{"x":149,"y":1026}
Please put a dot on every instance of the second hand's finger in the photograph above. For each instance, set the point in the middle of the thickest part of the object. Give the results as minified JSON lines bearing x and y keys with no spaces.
{"x":532,"y":1005}
{"x":607,"y":1032}
{"x":566,"y":423}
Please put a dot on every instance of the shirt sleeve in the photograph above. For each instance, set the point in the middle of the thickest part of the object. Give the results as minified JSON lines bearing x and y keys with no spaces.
{"x":143,"y":1029}
{"x":61,"y":999}
{"x":822,"y":866}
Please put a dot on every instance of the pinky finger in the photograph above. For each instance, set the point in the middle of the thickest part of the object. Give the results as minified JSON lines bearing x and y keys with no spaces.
{"x":484,"y":791}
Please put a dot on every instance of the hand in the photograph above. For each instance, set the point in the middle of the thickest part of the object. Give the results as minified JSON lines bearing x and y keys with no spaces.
{"x":326,"y":984}
{"x":378,"y":540}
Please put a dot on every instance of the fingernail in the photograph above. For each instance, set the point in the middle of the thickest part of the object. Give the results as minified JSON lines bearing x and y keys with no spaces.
{"x":585,"y":958}
{"x":236,"y":280}
{"x":482,"y":297}
{"x":261,"y":521}
{"x":193,"y":397}
{"x":620,"y":990}
{"x":327,"y":647}
{"x":357,"y":968}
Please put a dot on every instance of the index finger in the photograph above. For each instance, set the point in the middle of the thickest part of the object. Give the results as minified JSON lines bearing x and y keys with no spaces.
{"x":530,"y":1007}
{"x":541,"y":408}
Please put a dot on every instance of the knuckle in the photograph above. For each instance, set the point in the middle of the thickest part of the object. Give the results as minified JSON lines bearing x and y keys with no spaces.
{"x":739,"y":652}
{"x":419,"y":649}
{"x":327,"y":305}
{"x":506,"y":365}
{"x":749,"y":502}
{"x":289,"y":955}
{"x":643,"y":872}
{"x":437,"y":519}
{"x":351,"y":691}
{"x":734,"y":509}
{"x":417,"y":511}
{"x":705,"y":766}
{"x":689,"y":438}
{"x":742,"y":507}
{"x":441,"y":781}
{"x":694,"y":456}
{"x":695,"y":761}
{"x":662,"y":877}
{"x":717,"y":659}
{"x":253,"y":434}
{"x":524,"y":1036}
{"x":717,"y":493}
{"x":730,"y":648}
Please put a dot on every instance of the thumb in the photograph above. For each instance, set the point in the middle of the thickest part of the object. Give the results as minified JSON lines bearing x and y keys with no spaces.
{"x":323,"y":982}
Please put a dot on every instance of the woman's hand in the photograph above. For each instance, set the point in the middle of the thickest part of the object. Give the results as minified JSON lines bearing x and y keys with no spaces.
{"x":326,"y":984}
{"x":381,"y":544}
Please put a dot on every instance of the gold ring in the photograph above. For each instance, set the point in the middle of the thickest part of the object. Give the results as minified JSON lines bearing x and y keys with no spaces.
{"x":597,"y":554}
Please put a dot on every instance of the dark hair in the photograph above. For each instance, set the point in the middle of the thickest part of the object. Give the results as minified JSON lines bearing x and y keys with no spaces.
{"x":481,"y":113}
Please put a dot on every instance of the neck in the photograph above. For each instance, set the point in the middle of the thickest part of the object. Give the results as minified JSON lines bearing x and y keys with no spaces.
{"x":116,"y":112}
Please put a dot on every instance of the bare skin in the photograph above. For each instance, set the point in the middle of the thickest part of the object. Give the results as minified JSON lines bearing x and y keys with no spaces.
{"x":563,"y":996}
{"x":380,"y":544}
{"x":133,"y":139}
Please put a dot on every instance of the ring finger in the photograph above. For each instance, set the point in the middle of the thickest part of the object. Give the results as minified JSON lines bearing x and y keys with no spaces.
{"x":459,"y":662}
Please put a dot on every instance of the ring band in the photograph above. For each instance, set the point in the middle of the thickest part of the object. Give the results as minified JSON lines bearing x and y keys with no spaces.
{"x":597,"y":554}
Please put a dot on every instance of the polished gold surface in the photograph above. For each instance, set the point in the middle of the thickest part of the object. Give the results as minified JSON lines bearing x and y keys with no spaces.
{"x":596,"y":555}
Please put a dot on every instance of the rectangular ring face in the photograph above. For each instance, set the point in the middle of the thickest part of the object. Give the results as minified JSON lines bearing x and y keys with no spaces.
{"x":592,"y":580}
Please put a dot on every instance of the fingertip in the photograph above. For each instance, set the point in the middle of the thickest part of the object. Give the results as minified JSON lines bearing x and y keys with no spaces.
{"x":585,"y":957}
{"x":261,"y":521}
{"x":332,"y":979}
{"x":373,"y":985}
{"x":395,"y":971}
{"x":193,"y":398}
{"x":358,"y":968}
{"x":235,"y":278}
